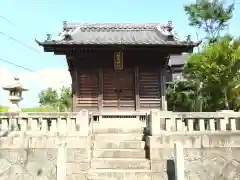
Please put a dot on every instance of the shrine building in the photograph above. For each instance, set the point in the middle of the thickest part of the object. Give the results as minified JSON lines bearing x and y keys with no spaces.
{"x":118,"y":66}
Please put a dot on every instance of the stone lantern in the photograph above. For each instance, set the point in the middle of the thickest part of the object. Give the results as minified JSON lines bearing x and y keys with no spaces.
{"x":15,"y":94}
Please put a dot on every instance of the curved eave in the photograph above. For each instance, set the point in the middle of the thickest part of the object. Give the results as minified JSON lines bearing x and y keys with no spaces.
{"x":18,"y":89}
{"x":66,"y":43}
{"x":52,"y":46}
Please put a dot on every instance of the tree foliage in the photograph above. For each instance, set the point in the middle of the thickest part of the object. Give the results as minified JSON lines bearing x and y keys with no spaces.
{"x":217,"y":67}
{"x":61,"y":101}
{"x":48,"y":96}
{"x":65,"y":99}
{"x":212,"y":16}
{"x":181,"y":96}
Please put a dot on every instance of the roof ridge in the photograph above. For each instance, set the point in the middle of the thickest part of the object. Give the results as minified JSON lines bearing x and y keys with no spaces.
{"x":114,"y":25}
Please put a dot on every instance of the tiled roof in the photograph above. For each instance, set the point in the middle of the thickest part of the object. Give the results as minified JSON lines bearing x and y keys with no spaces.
{"x":116,"y":33}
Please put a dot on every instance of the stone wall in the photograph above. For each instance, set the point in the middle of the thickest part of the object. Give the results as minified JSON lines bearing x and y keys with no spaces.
{"x":207,"y":156}
{"x":27,"y":164}
{"x":33,"y":156}
{"x":29,"y":144}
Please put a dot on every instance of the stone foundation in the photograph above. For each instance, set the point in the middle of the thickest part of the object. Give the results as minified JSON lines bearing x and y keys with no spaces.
{"x":206,"y":156}
{"x":30,"y":147}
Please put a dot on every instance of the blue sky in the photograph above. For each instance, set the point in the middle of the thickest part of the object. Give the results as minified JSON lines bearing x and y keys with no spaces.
{"x":35,"y":18}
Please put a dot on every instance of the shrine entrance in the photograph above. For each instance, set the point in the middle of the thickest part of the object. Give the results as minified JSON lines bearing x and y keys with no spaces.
{"x":118,"y":89}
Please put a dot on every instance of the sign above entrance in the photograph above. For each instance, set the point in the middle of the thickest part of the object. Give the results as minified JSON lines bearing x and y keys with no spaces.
{"x":118,"y":60}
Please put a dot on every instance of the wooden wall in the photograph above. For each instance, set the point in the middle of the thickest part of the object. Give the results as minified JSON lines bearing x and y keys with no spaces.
{"x":96,"y":82}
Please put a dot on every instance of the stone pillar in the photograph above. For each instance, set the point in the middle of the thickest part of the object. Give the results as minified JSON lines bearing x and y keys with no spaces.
{"x":62,"y":126}
{"x":44,"y":125}
{"x":5,"y":125}
{"x":227,"y":123}
{"x":82,"y":122}
{"x":212,"y":124}
{"x":233,"y":126}
{"x":13,"y":123}
{"x":154,"y":124}
{"x":201,"y":124}
{"x":61,"y":161}
{"x":179,"y":161}
{"x":163,"y":89}
{"x":190,"y":124}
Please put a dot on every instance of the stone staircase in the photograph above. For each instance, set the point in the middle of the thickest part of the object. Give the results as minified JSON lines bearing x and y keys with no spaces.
{"x":119,"y":154}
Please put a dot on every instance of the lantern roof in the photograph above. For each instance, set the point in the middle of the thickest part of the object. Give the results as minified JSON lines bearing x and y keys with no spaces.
{"x":15,"y":86}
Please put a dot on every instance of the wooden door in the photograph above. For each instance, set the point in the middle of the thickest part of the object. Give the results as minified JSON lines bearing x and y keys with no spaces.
{"x":118,"y":90}
{"x":110,"y":84}
{"x":126,"y":95}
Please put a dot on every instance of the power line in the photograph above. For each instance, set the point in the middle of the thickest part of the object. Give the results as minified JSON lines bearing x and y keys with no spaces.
{"x":20,"y":42}
{"x":54,"y":1}
{"x":30,"y":70}
{"x":27,"y":46}
{"x":5,"y":19}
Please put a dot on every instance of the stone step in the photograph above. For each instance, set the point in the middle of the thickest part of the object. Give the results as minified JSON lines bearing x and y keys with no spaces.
{"x":115,"y":144}
{"x":109,"y":136}
{"x":119,"y":153}
{"x":119,"y":174}
{"x":120,"y":163}
{"x":119,"y":130}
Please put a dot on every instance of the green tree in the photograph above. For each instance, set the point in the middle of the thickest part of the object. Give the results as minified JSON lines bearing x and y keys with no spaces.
{"x":212,"y":16}
{"x":65,"y":99}
{"x":181,"y":96}
{"x":61,"y":102}
{"x":48,"y":96}
{"x":217,"y":67}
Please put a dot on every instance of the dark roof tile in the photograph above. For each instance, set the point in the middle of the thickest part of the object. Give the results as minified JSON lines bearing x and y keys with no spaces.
{"x":117,"y":33}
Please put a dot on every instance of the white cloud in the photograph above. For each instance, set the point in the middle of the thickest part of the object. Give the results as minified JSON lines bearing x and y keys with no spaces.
{"x":35,"y":82}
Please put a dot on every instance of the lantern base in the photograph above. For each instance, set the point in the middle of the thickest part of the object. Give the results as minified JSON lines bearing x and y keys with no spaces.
{"x":14,"y":108}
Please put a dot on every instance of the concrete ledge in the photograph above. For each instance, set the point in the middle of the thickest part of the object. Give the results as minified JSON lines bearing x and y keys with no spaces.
{"x":193,"y":153}
{"x":78,"y":155}
{"x":113,"y":174}
{"x":119,"y":144}
{"x":195,"y":140}
{"x":119,"y":153}
{"x":120,"y":163}
{"x":23,"y":140}
{"x":76,"y":168}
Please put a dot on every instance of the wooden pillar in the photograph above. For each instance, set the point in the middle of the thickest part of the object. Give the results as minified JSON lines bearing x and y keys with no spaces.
{"x":163,"y":89}
{"x":100,"y":95}
{"x":75,"y":90}
{"x":137,"y":99}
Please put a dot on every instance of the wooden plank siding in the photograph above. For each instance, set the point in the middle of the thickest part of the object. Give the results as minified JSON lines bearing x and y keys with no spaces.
{"x":99,"y":89}
{"x":88,"y":89}
{"x":149,"y":89}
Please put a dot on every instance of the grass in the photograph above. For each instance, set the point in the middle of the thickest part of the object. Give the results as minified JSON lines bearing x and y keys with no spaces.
{"x":3,"y":109}
{"x":33,"y":109}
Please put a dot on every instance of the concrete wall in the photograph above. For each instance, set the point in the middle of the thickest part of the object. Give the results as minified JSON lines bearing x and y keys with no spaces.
{"x":30,"y":157}
{"x":29,"y":145}
{"x":207,"y":156}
